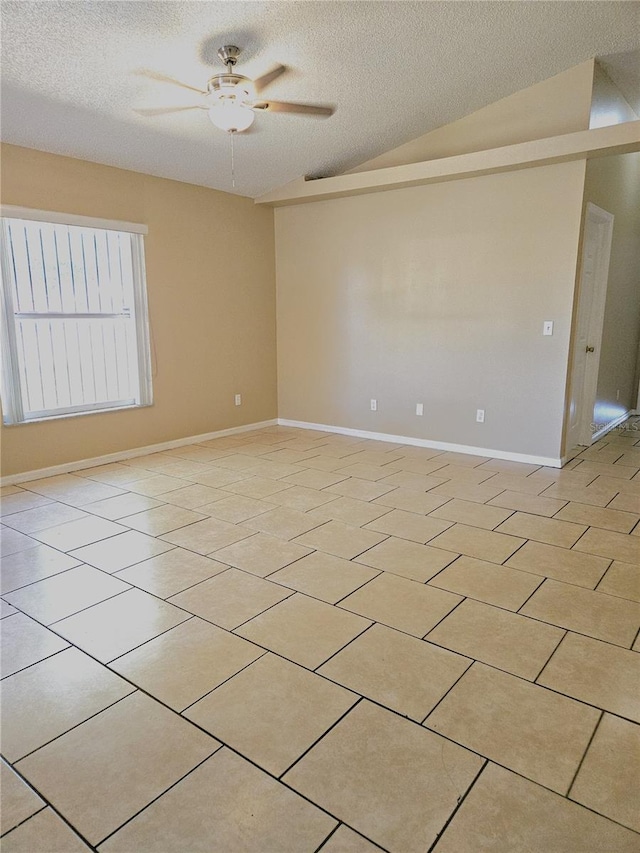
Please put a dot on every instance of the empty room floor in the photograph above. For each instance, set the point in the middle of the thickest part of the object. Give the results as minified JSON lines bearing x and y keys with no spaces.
{"x":291,"y":640}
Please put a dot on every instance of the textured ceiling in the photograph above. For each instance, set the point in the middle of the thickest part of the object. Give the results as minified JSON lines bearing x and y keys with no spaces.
{"x":393,"y":70}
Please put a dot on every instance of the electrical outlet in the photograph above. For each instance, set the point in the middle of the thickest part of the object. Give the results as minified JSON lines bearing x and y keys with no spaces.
{"x":238,"y":399}
{"x":420,"y":409}
{"x":374,"y":405}
{"x":480,"y":416}
{"x":547,"y":327}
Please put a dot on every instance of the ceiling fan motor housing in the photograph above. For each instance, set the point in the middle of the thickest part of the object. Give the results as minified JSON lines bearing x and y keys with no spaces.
{"x":229,"y":54}
{"x":226,"y":84}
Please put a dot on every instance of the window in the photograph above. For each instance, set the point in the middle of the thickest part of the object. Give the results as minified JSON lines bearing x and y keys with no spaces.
{"x":75,"y":335}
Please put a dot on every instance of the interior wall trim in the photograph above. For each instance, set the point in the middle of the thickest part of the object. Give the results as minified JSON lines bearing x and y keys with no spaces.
{"x":579,"y":145}
{"x":13,"y":211}
{"x":551,"y":462}
{"x":119,"y":456}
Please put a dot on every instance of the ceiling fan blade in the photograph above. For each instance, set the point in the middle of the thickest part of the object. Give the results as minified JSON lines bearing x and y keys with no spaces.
{"x":288,"y":107}
{"x":162,"y":78}
{"x":159,"y":111}
{"x":268,"y":77}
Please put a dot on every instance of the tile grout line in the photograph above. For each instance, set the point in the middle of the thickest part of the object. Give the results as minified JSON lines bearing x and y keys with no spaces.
{"x":166,"y":600}
{"x":440,"y":571}
{"x":463,"y":598}
{"x":526,"y":681}
{"x":108,"y":663}
{"x":442,"y":698}
{"x":24,"y":820}
{"x":162,"y":793}
{"x":339,"y":651}
{"x":338,"y":603}
{"x":351,"y":708}
{"x":48,"y":804}
{"x":458,"y":806}
{"x":543,"y":578}
{"x":548,"y":660}
{"x":133,"y":690}
{"x":291,"y":592}
{"x":82,"y":610}
{"x":35,"y":663}
{"x":358,"y":832}
{"x":326,"y":840}
{"x":609,"y":595}
{"x":584,"y":755}
{"x":482,"y":600}
{"x":226,"y":680}
{"x":604,"y":574}
{"x":49,"y":577}
{"x":83,"y":562}
{"x":573,"y":630}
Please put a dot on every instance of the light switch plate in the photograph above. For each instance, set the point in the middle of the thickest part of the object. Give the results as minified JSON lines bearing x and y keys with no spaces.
{"x":547,"y":327}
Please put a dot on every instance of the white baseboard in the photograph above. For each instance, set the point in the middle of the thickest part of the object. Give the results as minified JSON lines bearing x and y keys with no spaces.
{"x":549,"y":461}
{"x":119,"y":456}
{"x":612,"y":425}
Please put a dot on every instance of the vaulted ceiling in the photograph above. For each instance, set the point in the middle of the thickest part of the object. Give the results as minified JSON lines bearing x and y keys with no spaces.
{"x":393,"y":71}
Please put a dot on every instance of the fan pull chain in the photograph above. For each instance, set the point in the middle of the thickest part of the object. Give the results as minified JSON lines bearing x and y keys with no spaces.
{"x":233,"y":165}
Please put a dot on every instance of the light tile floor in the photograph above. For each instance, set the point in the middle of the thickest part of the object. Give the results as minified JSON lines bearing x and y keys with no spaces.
{"x":289,"y":641}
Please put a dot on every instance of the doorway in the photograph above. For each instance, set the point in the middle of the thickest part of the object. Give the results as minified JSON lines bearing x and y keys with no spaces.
{"x":592,"y":294}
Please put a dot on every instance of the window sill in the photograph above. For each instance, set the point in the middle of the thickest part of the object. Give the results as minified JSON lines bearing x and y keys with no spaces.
{"x":68,"y":415}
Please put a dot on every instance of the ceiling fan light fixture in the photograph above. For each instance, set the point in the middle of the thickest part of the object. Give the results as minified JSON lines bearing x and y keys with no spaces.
{"x":230,"y":98}
{"x":231,"y":116}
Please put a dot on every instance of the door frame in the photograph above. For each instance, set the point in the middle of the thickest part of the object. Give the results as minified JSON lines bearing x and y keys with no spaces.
{"x":582,"y":370}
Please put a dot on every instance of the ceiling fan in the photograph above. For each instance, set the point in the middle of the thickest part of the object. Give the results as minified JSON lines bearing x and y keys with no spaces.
{"x":231,"y":99}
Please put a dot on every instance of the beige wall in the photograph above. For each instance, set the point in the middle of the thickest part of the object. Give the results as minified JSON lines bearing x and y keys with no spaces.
{"x":433,"y":294}
{"x":613,"y":183}
{"x":558,"y":105}
{"x":210,"y":280}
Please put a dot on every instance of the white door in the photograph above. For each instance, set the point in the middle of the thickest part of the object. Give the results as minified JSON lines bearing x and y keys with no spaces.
{"x":589,"y":320}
